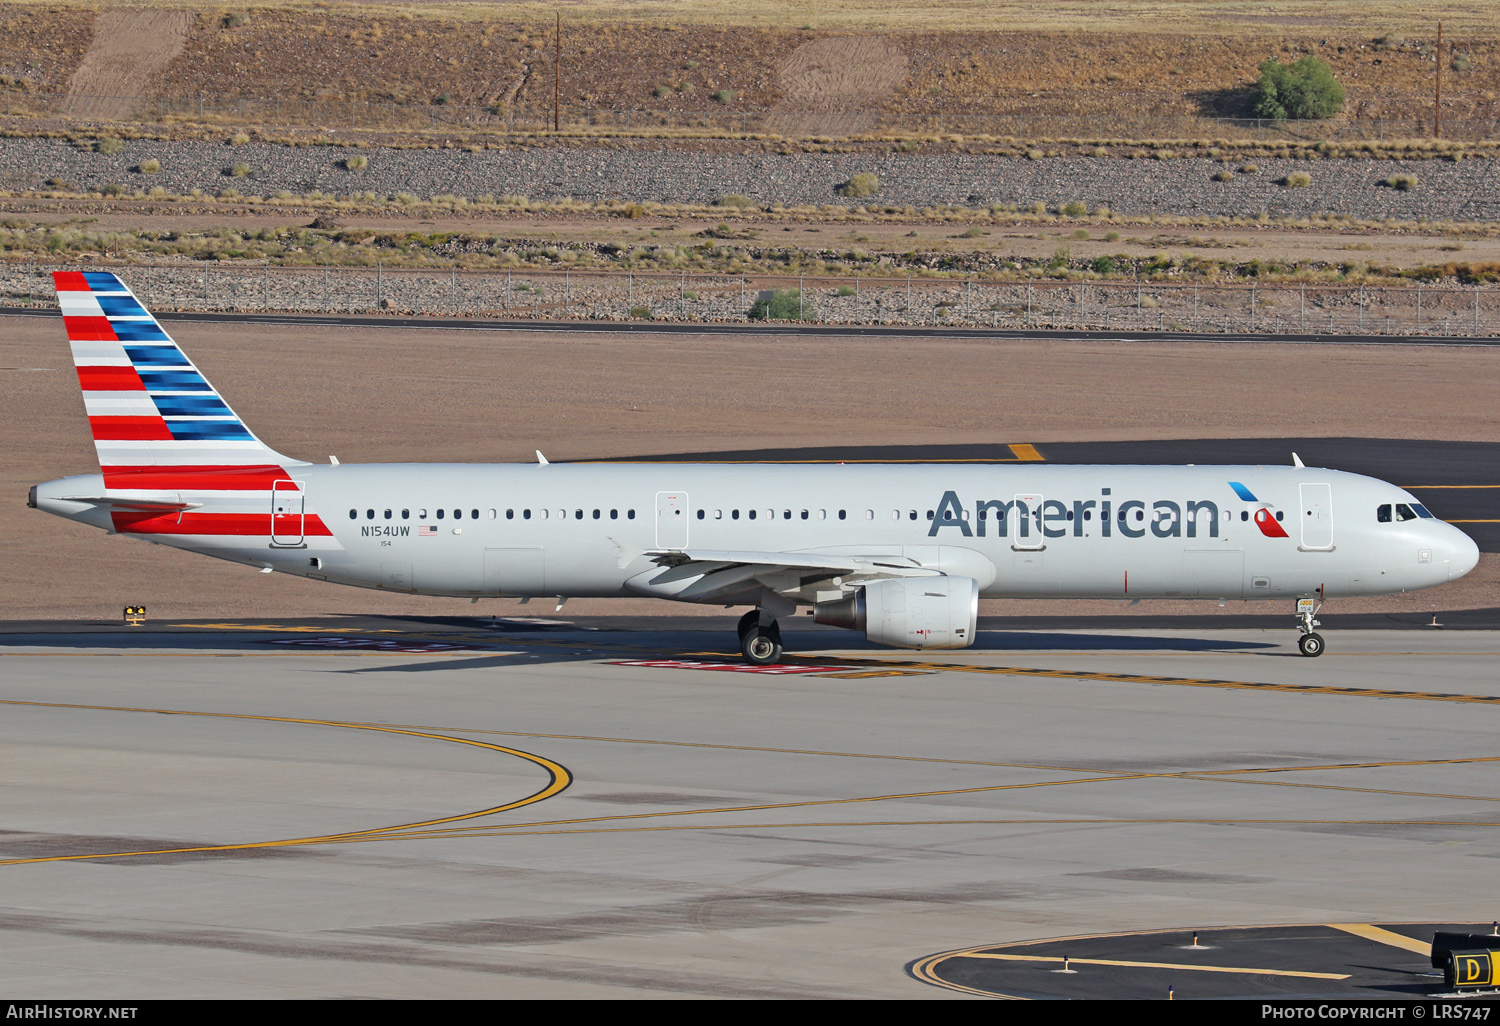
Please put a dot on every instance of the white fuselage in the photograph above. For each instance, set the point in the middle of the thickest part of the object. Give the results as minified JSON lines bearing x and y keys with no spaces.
{"x":1019,"y":530}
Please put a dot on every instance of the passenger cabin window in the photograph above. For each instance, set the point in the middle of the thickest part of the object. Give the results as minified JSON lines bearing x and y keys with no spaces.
{"x":440,"y":514}
{"x":354,"y":513}
{"x":406,"y":514}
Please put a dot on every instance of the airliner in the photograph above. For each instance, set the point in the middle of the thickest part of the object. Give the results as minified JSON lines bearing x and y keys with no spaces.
{"x":902,"y":553}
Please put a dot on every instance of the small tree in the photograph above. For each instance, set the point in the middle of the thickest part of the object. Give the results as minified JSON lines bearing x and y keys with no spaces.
{"x":1305,"y":89}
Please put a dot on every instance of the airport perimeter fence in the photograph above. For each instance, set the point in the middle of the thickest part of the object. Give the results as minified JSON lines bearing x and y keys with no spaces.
{"x":1441,"y":311}
{"x":354,"y":114}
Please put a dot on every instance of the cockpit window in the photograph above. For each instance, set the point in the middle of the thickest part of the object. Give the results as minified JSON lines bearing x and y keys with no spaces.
{"x":1422,"y":511}
{"x":1383,"y":514}
{"x":1405,"y":512}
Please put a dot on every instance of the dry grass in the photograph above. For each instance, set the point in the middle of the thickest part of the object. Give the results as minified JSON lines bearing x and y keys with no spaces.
{"x":666,"y":55}
{"x":1165,"y":16}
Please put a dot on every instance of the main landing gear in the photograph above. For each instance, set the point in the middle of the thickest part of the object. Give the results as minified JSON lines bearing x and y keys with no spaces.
{"x":1311,"y":642}
{"x":760,"y":640}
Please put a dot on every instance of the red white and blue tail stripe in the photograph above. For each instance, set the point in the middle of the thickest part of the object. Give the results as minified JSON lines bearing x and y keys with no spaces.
{"x":148,"y":405}
{"x":175,"y":459}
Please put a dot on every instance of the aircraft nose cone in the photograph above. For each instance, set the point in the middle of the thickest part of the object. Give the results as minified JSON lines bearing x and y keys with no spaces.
{"x":1464,"y":556}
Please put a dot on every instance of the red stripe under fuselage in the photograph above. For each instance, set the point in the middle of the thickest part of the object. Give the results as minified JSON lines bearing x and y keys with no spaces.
{"x":244,"y":524}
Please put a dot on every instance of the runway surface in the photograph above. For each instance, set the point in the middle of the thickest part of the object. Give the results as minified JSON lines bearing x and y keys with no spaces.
{"x":477,"y":808}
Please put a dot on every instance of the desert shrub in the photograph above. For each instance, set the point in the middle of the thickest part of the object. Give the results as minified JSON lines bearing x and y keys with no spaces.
{"x":1404,"y":183}
{"x":110,"y":189}
{"x":235,"y":19}
{"x":634,"y":211}
{"x":441,"y":98}
{"x":860,"y":186}
{"x":661,"y":91}
{"x":1304,"y":89}
{"x":1249,"y":169}
{"x":724,"y":96}
{"x":240,"y":171}
{"x":149,"y":166}
{"x":1389,"y":41}
{"x":1034,"y":154}
{"x":783,"y":305}
{"x":1461,"y":62}
{"x":973,"y":232}
{"x":1297,"y":180}
{"x":1073,"y":208}
{"x":640,"y":313}
{"x":845,"y":290}
{"x":1111,"y":236}
{"x":735,"y":200}
{"x":238,"y":139}
{"x":1103,"y":265}
{"x":107,"y":145}
{"x":1224,"y":176}
{"x":358,"y":162}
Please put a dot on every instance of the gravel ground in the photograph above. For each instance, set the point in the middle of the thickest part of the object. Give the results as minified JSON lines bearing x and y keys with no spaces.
{"x":1435,"y":311}
{"x":1463,"y":191}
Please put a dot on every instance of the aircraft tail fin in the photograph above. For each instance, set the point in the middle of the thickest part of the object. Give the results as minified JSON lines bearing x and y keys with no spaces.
{"x":152,"y":412}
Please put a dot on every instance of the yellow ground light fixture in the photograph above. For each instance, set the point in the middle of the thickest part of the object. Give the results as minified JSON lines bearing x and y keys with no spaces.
{"x":135,"y":616}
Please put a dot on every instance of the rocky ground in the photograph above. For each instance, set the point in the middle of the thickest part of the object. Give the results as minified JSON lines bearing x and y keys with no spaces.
{"x":1465,"y":190}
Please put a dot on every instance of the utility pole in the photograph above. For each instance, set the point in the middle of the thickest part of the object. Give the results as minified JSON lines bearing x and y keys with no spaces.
{"x":1437,"y":107}
{"x":557,"y":78}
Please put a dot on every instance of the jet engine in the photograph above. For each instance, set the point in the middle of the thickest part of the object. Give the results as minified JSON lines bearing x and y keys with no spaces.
{"x":909,"y":612}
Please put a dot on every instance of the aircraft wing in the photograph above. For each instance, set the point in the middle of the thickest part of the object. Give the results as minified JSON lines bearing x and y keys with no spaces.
{"x":722,"y":575}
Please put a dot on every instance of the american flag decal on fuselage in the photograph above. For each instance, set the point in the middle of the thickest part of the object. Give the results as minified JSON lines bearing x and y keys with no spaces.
{"x":160,"y":428}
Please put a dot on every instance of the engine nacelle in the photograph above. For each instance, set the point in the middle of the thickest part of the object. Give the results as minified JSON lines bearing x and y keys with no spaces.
{"x":909,"y":612}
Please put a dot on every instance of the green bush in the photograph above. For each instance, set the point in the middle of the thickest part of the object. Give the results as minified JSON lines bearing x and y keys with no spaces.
{"x":1073,"y":208}
{"x":724,"y":96}
{"x":1297,"y":180}
{"x":110,"y":146}
{"x":1103,"y":265}
{"x":240,"y":171}
{"x":1224,"y":176}
{"x":1404,"y":183}
{"x":149,"y":166}
{"x":358,"y":162}
{"x":1305,"y":89}
{"x":736,"y":200}
{"x":640,"y":313}
{"x":846,"y":290}
{"x":783,"y":305}
{"x":860,"y":186}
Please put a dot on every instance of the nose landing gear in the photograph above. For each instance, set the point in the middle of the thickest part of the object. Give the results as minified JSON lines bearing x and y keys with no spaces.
{"x":1311,"y":643}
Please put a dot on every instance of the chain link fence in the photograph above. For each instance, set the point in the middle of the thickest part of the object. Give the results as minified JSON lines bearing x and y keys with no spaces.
{"x":1280,"y":308}
{"x":352,"y":114}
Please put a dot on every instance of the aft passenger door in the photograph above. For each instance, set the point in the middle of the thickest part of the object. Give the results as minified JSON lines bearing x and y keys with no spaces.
{"x":286,"y":513}
{"x":1317,"y":517}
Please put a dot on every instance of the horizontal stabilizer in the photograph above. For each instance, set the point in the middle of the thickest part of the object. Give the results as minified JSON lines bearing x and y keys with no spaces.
{"x":132,"y":502}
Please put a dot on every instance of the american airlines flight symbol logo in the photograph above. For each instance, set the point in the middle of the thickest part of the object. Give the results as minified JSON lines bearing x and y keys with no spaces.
{"x":1264,"y":518}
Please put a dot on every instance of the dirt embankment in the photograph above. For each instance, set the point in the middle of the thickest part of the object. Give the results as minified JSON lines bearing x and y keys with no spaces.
{"x":124,"y":61}
{"x":378,"y":55}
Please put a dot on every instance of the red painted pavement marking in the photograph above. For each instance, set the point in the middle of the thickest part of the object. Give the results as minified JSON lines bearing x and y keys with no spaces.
{"x":694,"y":664}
